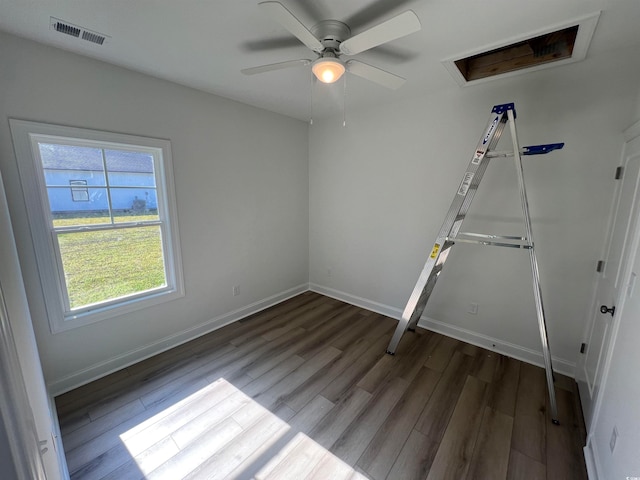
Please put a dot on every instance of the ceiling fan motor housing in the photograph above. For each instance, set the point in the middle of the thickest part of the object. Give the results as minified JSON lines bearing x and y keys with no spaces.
{"x":331,"y":33}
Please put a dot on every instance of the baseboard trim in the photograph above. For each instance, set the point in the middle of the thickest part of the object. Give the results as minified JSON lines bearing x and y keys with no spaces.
{"x":101,"y":369}
{"x":357,"y":301}
{"x":592,"y":460}
{"x":518,"y":352}
{"x":589,"y":460}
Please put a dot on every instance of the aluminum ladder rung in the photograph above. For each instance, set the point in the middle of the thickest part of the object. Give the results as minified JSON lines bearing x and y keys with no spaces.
{"x":449,"y":233}
{"x":530,"y":150}
{"x":492,"y":240}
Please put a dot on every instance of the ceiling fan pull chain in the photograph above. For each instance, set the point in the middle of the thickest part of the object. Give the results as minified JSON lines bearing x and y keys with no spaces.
{"x":312,"y":83}
{"x":344,"y":104}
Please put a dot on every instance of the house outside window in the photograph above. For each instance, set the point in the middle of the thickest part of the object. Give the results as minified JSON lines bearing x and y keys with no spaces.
{"x":112,"y":246}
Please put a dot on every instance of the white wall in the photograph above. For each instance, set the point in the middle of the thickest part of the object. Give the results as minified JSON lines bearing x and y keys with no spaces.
{"x":241,"y":179}
{"x":380,"y":188}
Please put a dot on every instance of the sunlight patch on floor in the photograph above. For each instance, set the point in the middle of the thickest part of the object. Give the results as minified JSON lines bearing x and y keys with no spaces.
{"x":221,"y":433}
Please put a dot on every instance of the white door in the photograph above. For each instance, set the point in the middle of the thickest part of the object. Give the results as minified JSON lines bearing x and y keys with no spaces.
{"x":622,"y":222}
{"x":617,"y":406}
{"x":24,"y":403}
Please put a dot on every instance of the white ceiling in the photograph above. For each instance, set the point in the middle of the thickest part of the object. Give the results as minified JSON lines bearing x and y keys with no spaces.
{"x":204,"y":44}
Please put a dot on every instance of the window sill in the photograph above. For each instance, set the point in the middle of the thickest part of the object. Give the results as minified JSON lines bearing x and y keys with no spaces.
{"x":74,"y":320}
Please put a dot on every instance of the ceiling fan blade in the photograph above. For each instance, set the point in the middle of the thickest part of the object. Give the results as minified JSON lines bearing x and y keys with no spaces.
{"x":276,"y":66}
{"x":284,"y":17}
{"x":394,"y":28}
{"x":270,"y":44}
{"x":375,"y":74}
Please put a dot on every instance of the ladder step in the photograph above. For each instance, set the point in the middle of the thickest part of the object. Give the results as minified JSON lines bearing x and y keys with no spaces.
{"x":491,"y":243}
{"x":492,"y":240}
{"x":541,"y":149}
{"x":530,"y":150}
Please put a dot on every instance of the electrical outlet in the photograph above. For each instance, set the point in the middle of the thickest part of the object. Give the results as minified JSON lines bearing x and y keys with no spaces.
{"x":614,"y":439}
{"x":329,"y":272}
{"x":236,"y":290}
{"x":472,"y":308}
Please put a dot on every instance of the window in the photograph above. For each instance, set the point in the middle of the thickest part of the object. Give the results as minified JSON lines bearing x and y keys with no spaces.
{"x":110,"y":247}
{"x":79,"y":194}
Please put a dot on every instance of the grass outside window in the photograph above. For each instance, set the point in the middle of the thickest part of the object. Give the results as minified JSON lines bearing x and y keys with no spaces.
{"x":104,"y":265}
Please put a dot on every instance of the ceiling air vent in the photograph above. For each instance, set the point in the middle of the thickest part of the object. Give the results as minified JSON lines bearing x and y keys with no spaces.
{"x":555,"y":46}
{"x":67,"y":29}
{"x":76,"y":31}
{"x":93,"y":37}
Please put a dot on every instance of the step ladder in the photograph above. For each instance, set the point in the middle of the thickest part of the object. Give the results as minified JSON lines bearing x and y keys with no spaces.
{"x":450,"y":233}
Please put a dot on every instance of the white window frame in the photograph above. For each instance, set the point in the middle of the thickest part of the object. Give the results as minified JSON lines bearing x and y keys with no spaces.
{"x":26,"y":136}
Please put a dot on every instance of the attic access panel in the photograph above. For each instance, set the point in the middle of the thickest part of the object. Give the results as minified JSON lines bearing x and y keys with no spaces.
{"x":554,"y":46}
{"x":549,"y":47}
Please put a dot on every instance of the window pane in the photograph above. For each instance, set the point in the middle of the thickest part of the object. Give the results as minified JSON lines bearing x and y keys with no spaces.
{"x":134,"y":204}
{"x":71,"y":174}
{"x":108,"y":264}
{"x":62,"y":163}
{"x":67,"y":212}
{"x":127,"y":168}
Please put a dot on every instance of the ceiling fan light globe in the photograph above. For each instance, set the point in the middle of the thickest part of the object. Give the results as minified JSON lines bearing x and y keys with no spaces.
{"x":327,"y":76}
{"x":328,"y":70}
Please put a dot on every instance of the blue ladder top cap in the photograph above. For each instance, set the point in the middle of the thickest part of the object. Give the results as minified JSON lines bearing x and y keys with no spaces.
{"x":541,"y":149}
{"x":504,"y":107}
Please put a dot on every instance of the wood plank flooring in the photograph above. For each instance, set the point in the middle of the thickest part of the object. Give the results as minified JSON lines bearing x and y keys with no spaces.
{"x":304,"y":390}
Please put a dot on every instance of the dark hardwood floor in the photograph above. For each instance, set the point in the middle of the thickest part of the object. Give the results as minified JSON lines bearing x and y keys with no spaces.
{"x":304,"y":390}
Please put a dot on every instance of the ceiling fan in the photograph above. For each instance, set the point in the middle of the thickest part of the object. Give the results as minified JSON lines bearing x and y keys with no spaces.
{"x":330,"y":39}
